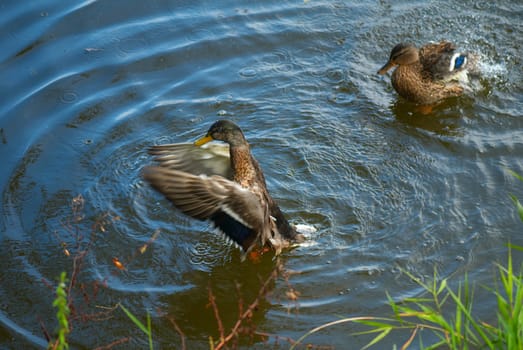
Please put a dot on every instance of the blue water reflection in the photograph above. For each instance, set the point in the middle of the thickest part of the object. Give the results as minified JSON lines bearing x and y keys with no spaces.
{"x":87,"y":87}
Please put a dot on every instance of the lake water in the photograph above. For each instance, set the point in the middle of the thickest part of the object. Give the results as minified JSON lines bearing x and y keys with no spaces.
{"x":87,"y":87}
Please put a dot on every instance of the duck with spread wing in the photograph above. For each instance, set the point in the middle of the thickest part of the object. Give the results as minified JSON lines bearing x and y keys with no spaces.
{"x":227,"y":188}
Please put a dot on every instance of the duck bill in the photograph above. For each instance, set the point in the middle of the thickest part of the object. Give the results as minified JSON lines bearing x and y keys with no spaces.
{"x":203,"y":140}
{"x":386,"y":68}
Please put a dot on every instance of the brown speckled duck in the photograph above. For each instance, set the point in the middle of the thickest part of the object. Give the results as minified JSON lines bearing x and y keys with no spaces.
{"x":430,"y":74}
{"x":227,"y":188}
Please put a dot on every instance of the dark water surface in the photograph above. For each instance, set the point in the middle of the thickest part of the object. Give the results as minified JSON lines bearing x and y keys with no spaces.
{"x":87,"y":87}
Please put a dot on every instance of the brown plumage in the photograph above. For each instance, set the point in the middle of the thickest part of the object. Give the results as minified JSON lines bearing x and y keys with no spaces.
{"x":227,"y":189}
{"x":430,"y":74}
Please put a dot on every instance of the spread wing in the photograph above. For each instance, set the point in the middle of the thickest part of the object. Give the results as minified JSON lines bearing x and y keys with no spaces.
{"x":235,"y":211}
{"x":209,"y":159}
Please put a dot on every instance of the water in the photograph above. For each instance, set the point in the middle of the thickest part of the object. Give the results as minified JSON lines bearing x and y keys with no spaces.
{"x":87,"y":87}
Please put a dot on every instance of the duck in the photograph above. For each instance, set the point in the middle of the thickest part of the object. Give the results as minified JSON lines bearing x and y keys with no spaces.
{"x":430,"y":74}
{"x":222,"y":183}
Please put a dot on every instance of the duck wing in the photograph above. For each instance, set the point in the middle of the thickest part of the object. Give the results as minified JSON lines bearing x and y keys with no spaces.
{"x":234,"y":210}
{"x":209,"y":159}
{"x":443,"y":61}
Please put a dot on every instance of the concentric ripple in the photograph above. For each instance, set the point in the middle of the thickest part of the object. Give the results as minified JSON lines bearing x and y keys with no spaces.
{"x":88,"y":87}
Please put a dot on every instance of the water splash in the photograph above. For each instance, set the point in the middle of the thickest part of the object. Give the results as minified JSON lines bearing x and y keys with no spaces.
{"x":484,"y":68}
{"x":495,"y":70}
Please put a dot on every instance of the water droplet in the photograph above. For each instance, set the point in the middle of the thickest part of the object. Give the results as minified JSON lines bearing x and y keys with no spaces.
{"x":130,"y":45}
{"x":69,"y":97}
{"x":247,"y":72}
{"x":199,"y":35}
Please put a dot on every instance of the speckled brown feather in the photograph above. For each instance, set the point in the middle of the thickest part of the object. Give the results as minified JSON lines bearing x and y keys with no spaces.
{"x":243,"y":166}
{"x":429,"y":55}
{"x":417,"y":85}
{"x":247,"y":172}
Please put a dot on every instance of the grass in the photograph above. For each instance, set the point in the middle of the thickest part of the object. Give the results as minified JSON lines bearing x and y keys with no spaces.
{"x":146,"y":329}
{"x":516,"y":201}
{"x":510,"y":311}
{"x":460,"y":329}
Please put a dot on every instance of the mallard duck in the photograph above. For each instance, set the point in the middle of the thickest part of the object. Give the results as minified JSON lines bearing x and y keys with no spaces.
{"x":227,"y":188}
{"x":430,"y":74}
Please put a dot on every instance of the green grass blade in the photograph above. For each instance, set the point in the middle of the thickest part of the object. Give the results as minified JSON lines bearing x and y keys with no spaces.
{"x":516,"y":175}
{"x":442,"y":286}
{"x":519,"y":207}
{"x":514,"y":246}
{"x":330,"y":324}
{"x":149,"y":333}
{"x":439,"y":345}
{"x":466,"y":312}
{"x":458,"y":320}
{"x":374,"y":324}
{"x":377,"y":338}
{"x":135,"y":320}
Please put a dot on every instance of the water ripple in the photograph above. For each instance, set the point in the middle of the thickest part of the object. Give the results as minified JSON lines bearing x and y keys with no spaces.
{"x":87,"y":89}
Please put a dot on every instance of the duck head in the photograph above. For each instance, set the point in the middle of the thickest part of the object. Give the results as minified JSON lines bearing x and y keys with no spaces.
{"x":401,"y":54}
{"x":223,"y":130}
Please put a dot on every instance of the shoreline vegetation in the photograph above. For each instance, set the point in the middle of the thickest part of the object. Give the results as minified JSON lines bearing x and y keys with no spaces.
{"x":457,"y":329}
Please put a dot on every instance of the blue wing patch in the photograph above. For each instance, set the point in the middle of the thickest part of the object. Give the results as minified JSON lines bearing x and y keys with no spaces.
{"x":234,"y":229}
{"x":460,"y":60}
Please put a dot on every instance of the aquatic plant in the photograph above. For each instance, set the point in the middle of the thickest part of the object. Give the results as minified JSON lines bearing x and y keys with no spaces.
{"x":461,"y":329}
{"x":78,"y":296}
{"x":62,"y":315}
{"x":516,"y":201}
{"x":146,"y":329}
{"x":74,"y":296}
